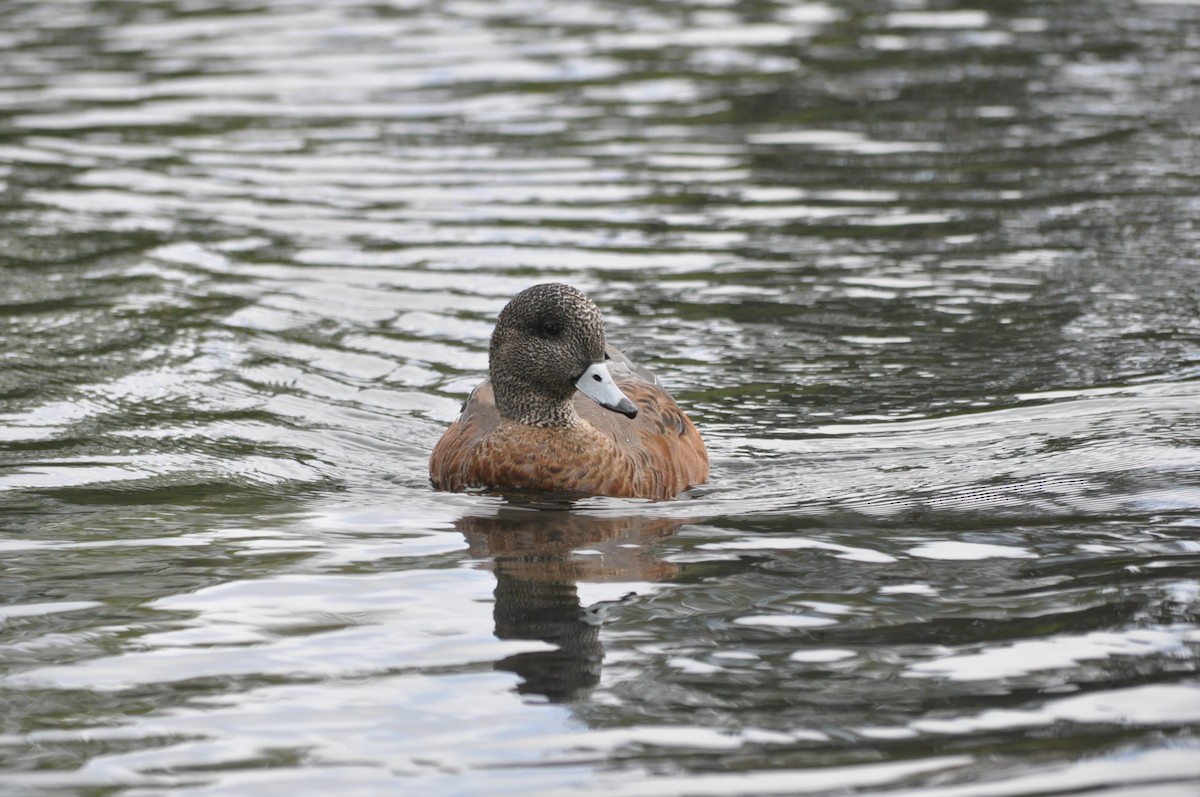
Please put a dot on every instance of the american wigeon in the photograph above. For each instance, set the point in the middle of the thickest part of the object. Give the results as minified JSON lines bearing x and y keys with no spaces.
{"x":564,"y":412}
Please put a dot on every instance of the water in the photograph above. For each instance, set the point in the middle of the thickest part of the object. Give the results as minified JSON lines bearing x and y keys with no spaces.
{"x":924,"y":275}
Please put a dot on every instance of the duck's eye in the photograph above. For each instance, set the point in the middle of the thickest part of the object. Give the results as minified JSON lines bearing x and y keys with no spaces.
{"x":551,"y":329}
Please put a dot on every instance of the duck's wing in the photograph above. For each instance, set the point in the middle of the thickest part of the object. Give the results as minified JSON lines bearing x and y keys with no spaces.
{"x":479,"y":416}
{"x":665,"y":444}
{"x":621,"y":367}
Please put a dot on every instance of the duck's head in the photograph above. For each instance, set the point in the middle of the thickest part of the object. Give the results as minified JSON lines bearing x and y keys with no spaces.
{"x":548,"y":342}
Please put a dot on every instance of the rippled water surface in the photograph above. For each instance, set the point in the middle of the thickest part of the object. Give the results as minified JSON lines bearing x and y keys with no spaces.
{"x":927,"y":277}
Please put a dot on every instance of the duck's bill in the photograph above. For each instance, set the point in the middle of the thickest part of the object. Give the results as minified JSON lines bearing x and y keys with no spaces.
{"x":598,"y":385}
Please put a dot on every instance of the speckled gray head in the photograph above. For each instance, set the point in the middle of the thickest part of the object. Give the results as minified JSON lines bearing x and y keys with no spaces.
{"x":549,"y":340}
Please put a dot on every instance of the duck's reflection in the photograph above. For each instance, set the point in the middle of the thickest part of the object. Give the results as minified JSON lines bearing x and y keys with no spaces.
{"x":539,"y":556}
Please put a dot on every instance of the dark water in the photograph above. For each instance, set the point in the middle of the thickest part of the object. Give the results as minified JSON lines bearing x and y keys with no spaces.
{"x":926,"y":276}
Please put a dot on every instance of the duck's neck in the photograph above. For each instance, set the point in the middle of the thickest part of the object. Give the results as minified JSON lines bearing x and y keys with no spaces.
{"x":532,"y":409}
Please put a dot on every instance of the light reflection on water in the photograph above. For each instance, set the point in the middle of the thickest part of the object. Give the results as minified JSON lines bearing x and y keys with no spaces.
{"x":924,"y":277}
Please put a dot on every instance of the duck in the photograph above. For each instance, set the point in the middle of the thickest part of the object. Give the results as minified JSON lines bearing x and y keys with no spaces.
{"x":564,"y":412}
